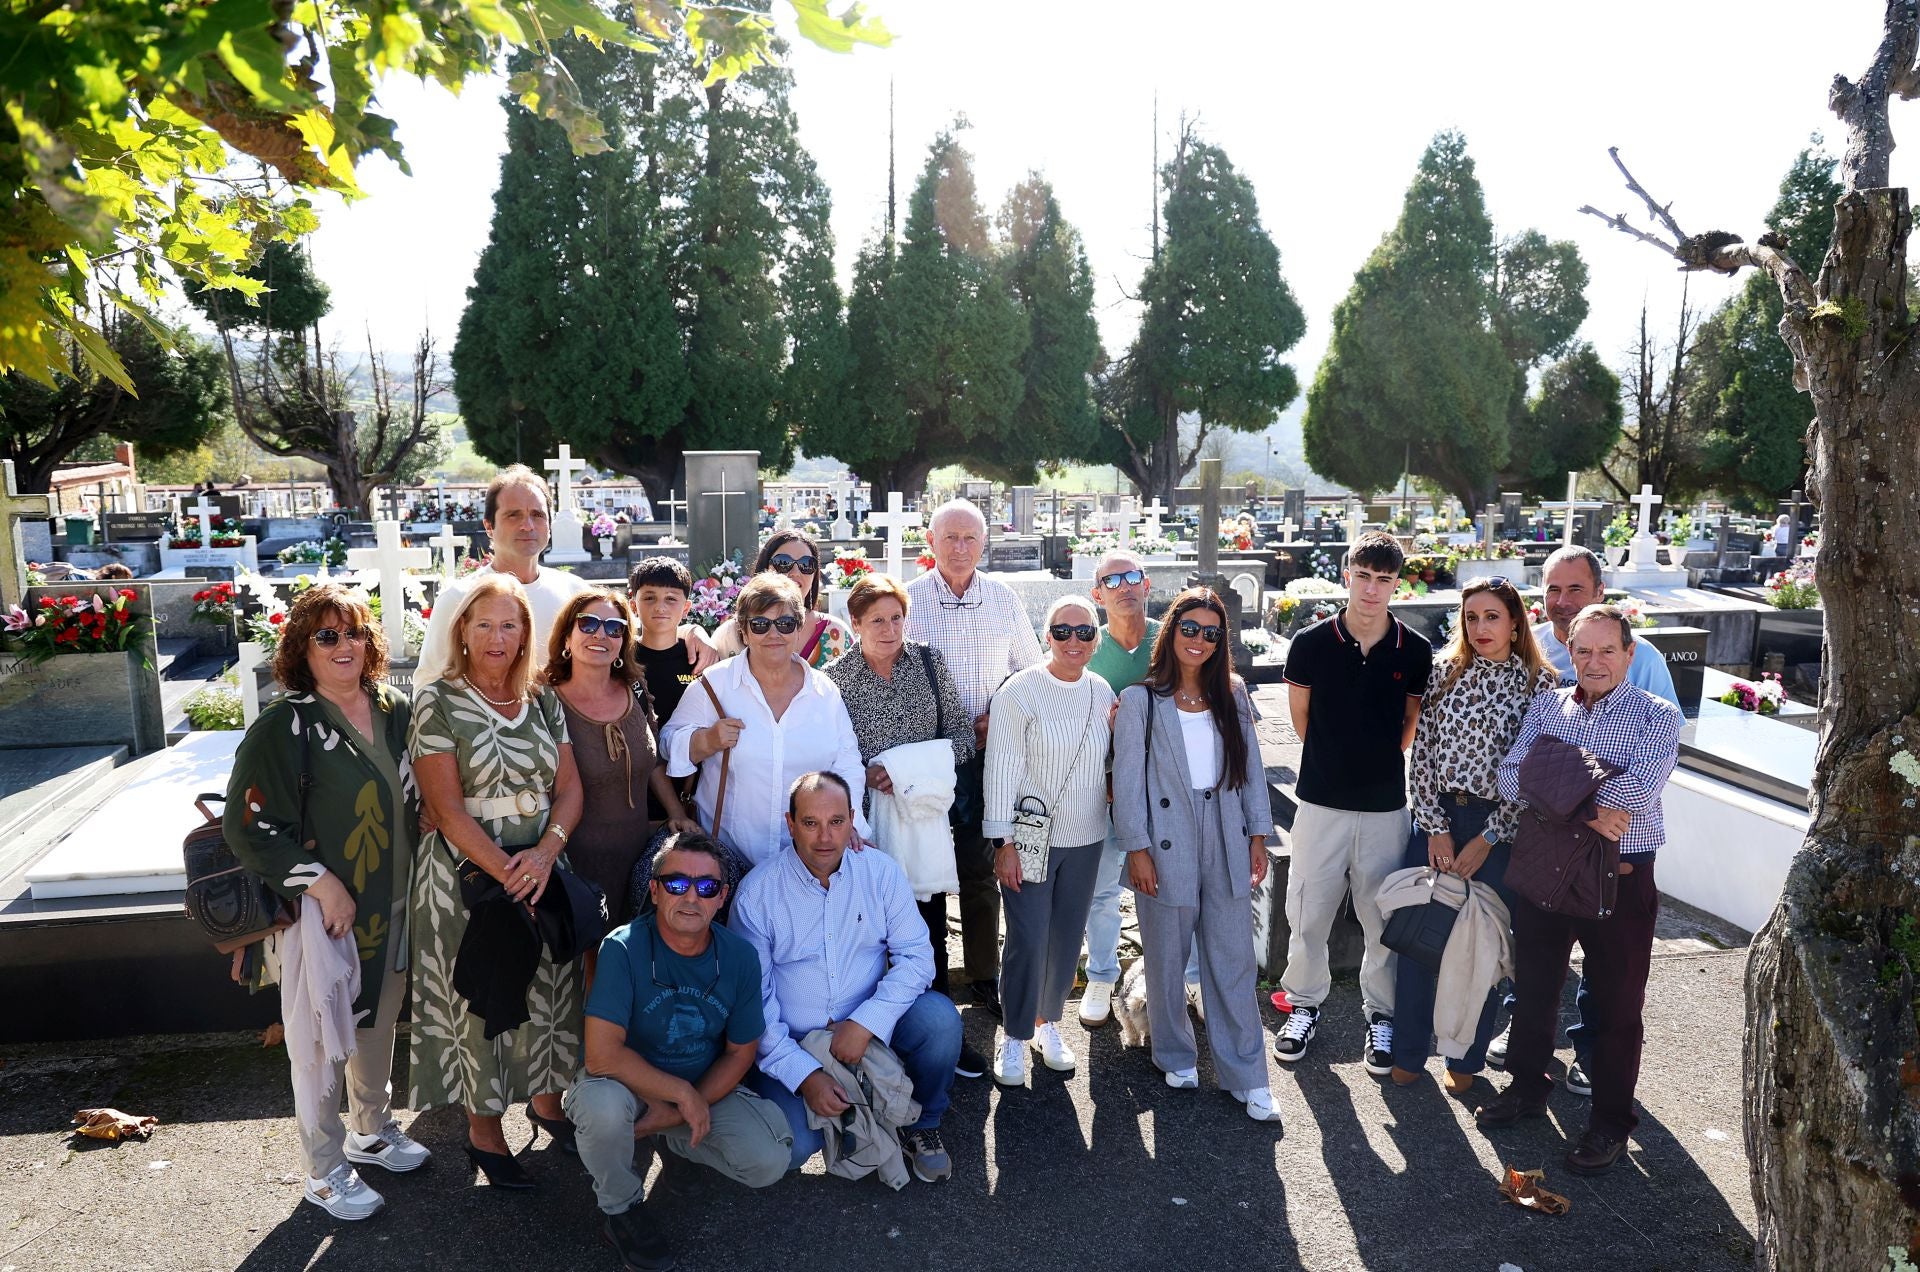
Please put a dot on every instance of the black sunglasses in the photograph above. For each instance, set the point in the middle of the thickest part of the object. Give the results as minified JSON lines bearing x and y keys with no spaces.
{"x":328,"y":637}
{"x":1499,"y":583}
{"x":782,"y":562}
{"x":1073,"y":631}
{"x":706,"y":887}
{"x":1129,"y":578}
{"x":1189,"y":628}
{"x":593,"y":625}
{"x":786,"y":625}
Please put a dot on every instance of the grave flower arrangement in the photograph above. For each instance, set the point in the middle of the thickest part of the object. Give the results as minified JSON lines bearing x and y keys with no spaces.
{"x":602,"y":526}
{"x":214,"y":605}
{"x":715,"y":593}
{"x":313,"y":552}
{"x":226,"y":534}
{"x":1479,"y":550}
{"x":1093,"y":545}
{"x":96,"y":623}
{"x":471,"y":564}
{"x":1303,"y":603}
{"x":1422,"y":572}
{"x":1794,"y":588}
{"x":1634,"y":612}
{"x":925,"y":561}
{"x":1763,"y":698}
{"x":849,"y":566}
{"x":1322,"y":566}
{"x":1236,"y":538}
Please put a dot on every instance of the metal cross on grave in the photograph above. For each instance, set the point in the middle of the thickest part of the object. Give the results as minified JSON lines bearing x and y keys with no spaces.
{"x":14,"y":507}
{"x":722,"y":494}
{"x":673,"y":505}
{"x":389,"y":562}
{"x":893,"y":525}
{"x":1207,"y":495}
{"x":448,"y":545}
{"x":204,"y":510}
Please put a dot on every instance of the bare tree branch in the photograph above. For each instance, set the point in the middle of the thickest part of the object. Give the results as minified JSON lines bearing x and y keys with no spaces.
{"x":1659,"y":213}
{"x":1619,"y":222}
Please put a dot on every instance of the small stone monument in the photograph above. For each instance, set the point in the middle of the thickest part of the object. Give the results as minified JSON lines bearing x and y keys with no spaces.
{"x":567,"y":545}
{"x":723,"y":496}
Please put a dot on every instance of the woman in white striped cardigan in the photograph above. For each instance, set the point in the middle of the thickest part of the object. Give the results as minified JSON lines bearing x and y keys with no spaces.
{"x":1047,"y":740}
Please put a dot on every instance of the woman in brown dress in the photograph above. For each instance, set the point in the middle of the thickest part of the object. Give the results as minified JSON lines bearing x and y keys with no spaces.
{"x":591,"y":667}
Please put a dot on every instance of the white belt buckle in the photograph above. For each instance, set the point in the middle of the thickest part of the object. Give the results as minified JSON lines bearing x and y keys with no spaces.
{"x":526,"y":803}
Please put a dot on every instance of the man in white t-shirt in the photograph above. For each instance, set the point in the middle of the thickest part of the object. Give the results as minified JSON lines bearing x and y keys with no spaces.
{"x":519,"y":524}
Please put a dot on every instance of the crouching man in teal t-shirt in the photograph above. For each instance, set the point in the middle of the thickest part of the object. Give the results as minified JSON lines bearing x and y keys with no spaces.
{"x":673,"y":1022}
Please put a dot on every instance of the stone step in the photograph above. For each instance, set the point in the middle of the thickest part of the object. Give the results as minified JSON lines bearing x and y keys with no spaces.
{"x":35,"y":783}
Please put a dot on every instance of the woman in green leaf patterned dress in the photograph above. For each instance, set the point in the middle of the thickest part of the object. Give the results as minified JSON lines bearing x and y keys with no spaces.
{"x":495,"y":768}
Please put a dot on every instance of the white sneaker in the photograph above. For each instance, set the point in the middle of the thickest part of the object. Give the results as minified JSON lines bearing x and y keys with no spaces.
{"x":1194,"y":1001}
{"x":1259,"y":1102}
{"x":1096,"y":1005}
{"x":1053,"y":1048}
{"x":1183,"y":1079}
{"x":1010,"y":1066}
{"x":343,"y":1195}
{"x":392,"y":1149}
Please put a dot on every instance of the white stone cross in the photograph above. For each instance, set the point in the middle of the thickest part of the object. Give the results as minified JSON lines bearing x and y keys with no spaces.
{"x":252,"y":656}
{"x":842,"y":530}
{"x":1153,"y":516}
{"x":389,"y":561}
{"x":204,"y":511}
{"x":1288,"y":530}
{"x":893,"y":524}
{"x":1646,"y":499}
{"x":13,"y":548}
{"x":566,"y":517}
{"x":673,"y":506}
{"x":448,"y":544}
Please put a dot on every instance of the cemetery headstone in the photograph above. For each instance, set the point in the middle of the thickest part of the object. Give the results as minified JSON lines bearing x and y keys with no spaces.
{"x":1022,"y":503}
{"x":1008,"y":555}
{"x":1510,"y":510}
{"x":674,"y":505}
{"x":724,"y":491}
{"x":1569,"y":508}
{"x":1294,"y":506}
{"x":134,"y":527}
{"x":567,"y":547}
{"x":842,"y":529}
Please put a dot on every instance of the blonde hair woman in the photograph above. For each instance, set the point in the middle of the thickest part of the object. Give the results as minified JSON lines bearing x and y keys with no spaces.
{"x":496,"y":772}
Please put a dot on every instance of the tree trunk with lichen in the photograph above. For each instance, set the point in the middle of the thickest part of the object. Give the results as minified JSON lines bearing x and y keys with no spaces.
{"x":1833,"y":1109}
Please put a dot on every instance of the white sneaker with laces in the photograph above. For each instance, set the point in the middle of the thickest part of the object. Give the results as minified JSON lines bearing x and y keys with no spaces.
{"x":1096,"y":1005}
{"x":343,"y":1194}
{"x":1010,"y":1066}
{"x":1196,"y":1002}
{"x":1183,"y":1079}
{"x":1053,"y":1048}
{"x":391,"y":1149}
{"x":1259,"y":1102}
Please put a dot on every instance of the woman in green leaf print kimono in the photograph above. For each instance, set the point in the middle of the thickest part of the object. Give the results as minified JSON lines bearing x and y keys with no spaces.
{"x":496,"y":772}
{"x":344,"y":844}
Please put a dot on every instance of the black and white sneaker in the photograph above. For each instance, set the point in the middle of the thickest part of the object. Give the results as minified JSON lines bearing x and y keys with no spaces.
{"x":1379,"y":1058}
{"x":971,"y":1063}
{"x":1577,"y":1080}
{"x":1291,"y":1042}
{"x":1497,"y":1049}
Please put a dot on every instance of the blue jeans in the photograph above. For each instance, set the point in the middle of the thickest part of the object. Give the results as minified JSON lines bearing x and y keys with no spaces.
{"x":1414,"y":982}
{"x":927,"y":1040}
{"x":1103,"y":920}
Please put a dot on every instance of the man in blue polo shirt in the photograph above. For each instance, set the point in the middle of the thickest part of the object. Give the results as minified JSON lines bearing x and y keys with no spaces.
{"x":1353,"y":689}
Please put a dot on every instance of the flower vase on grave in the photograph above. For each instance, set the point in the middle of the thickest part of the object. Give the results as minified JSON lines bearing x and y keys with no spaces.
{"x":606,"y":547}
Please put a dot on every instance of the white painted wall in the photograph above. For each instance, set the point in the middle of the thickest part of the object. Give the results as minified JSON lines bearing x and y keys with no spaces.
{"x":1727,"y":850}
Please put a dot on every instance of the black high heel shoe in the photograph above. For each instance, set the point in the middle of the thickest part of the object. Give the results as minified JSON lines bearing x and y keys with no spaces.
{"x":558,"y":1129}
{"x":501,"y":1170}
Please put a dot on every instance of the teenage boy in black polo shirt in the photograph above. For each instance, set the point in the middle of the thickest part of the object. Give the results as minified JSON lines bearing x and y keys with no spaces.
{"x":1353,"y":687}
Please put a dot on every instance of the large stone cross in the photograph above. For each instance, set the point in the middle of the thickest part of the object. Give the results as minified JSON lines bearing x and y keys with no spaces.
{"x":14,"y":507}
{"x":1646,"y":499}
{"x":447,"y":543}
{"x":566,"y":517}
{"x":673,"y":505}
{"x":1489,"y":527}
{"x":842,"y":528}
{"x":1572,"y":504}
{"x":893,"y":525}
{"x":1207,"y":495}
{"x":204,"y":510}
{"x":389,"y":562}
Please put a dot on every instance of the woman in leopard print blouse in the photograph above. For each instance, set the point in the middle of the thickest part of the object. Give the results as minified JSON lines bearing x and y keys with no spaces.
{"x":1482,"y":684}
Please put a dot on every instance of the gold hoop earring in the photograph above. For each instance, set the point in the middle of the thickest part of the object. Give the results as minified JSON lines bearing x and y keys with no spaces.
{"x":566,"y":653}
{"x":619,"y":662}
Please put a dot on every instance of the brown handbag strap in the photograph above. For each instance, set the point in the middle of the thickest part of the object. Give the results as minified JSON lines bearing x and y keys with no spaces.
{"x":726,"y":756}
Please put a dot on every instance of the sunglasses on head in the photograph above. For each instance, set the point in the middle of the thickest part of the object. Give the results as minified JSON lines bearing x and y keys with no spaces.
{"x":786,"y":625}
{"x":1073,"y":631}
{"x":1189,"y":628}
{"x":706,"y":887}
{"x":1499,"y":583}
{"x":1127,"y":577}
{"x":593,"y":625}
{"x":783,"y":563}
{"x":328,"y":637}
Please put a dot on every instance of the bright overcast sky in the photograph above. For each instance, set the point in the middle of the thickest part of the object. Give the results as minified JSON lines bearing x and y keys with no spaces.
{"x":1325,"y":106}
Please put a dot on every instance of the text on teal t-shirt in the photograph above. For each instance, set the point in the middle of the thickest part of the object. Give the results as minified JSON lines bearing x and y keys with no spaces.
{"x":678,"y":1012}
{"x":1120,"y":669}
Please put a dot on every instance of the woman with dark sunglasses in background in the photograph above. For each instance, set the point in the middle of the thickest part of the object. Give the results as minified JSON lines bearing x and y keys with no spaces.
{"x":1483,"y":682}
{"x":591,"y":666}
{"x":1047,"y":750}
{"x":1190,"y":808}
{"x":795,"y":557}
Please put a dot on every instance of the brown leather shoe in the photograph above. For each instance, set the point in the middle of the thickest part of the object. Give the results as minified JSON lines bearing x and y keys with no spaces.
{"x":1406,"y":1077}
{"x":1509,"y":1107}
{"x":1595,"y":1154}
{"x":1458,"y":1083}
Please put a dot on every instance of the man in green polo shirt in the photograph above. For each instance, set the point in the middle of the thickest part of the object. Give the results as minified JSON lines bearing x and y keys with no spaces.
{"x":1121,"y":588}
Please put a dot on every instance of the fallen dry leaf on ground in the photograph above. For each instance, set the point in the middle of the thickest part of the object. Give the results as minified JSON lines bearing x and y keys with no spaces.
{"x":1523,"y":1189}
{"x":273,"y":1035}
{"x":112,"y":1125}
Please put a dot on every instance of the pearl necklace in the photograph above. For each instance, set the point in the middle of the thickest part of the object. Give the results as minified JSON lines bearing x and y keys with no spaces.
{"x":510,"y":702}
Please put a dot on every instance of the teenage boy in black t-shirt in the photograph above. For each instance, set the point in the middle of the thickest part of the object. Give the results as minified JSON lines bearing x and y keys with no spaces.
{"x":661,"y":591}
{"x":1353,"y":683}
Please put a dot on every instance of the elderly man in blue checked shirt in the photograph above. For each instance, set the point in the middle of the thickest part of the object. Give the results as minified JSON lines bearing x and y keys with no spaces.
{"x":842,"y":947}
{"x":1640,"y":733}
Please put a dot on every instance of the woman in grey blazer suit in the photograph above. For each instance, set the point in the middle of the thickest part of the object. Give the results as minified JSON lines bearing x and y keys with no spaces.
{"x":1190,"y":809}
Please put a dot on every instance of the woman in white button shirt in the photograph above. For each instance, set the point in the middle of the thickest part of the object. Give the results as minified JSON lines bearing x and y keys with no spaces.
{"x":775,"y":718}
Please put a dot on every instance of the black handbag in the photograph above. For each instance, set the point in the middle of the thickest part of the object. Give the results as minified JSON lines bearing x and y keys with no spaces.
{"x":1420,"y":932}
{"x":232,"y":905}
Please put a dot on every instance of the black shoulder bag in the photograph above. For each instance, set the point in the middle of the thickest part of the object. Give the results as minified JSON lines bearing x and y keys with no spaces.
{"x":233,"y":905}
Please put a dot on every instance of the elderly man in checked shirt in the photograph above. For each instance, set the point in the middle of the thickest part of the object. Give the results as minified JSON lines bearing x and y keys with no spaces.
{"x":982,"y":630}
{"x":1630,"y":727}
{"x":842,"y":947}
